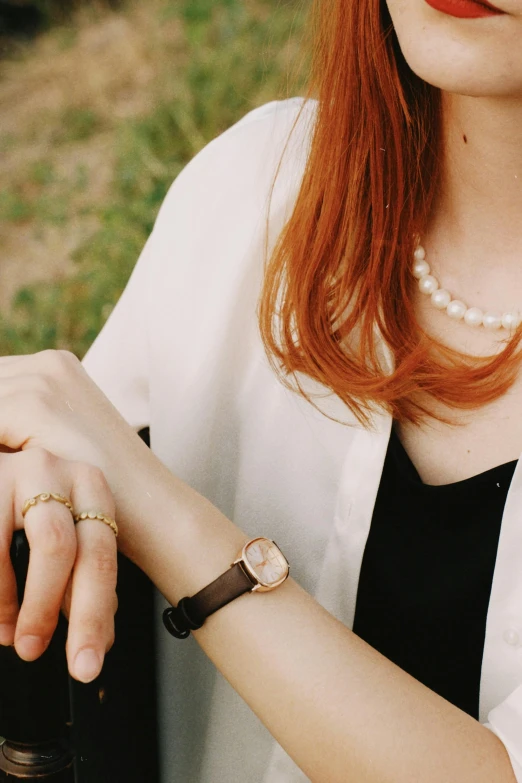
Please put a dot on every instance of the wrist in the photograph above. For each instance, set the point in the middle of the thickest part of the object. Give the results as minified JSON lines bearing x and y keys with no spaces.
{"x":260,"y":566}
{"x":174,"y":534}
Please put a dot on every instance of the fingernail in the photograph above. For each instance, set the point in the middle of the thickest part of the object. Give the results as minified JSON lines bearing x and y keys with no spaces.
{"x":7,"y":633}
{"x":87,"y":665}
{"x":30,"y":647}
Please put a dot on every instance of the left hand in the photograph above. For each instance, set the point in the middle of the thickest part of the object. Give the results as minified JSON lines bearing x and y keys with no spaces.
{"x":47,"y":400}
{"x":72,"y":563}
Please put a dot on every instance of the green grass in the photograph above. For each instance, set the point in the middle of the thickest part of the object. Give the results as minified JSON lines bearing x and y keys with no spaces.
{"x":30,"y":201}
{"x":14,"y":206}
{"x":77,"y":125}
{"x":235,"y":55}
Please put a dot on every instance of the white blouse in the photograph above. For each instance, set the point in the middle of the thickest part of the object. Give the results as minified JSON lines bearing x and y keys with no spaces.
{"x":181,"y":352}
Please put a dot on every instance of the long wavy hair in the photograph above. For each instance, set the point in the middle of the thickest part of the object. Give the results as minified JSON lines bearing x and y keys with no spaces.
{"x":338,"y":285}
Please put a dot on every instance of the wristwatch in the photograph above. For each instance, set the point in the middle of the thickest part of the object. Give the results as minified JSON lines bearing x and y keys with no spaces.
{"x":259,"y":567}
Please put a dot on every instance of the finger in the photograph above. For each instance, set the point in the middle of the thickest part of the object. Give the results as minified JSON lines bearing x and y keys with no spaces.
{"x":52,"y":542}
{"x":93,"y":596}
{"x":8,"y":591}
{"x":51,"y":535}
{"x":39,"y":371}
{"x":31,"y":401}
{"x":24,"y":405}
{"x":66,"y":603}
{"x":49,"y":360}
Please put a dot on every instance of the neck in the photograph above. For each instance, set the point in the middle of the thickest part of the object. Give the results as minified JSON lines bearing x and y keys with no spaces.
{"x":476,"y":224}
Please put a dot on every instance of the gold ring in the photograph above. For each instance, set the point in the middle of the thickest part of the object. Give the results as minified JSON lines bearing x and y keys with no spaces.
{"x":102,"y":518}
{"x":45,"y":497}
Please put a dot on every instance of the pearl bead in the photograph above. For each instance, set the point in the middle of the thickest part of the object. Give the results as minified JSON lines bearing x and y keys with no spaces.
{"x":492,"y":320}
{"x":428,"y":284}
{"x":441,"y":298}
{"x":456,"y":309}
{"x":420,"y":269}
{"x":473,"y":316}
{"x":511,"y":320}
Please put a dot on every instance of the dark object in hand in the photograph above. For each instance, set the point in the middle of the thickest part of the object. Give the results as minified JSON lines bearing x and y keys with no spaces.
{"x":34,"y":702}
{"x":111,"y":722}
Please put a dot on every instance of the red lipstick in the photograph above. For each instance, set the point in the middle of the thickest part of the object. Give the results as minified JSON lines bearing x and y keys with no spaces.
{"x":465,"y":9}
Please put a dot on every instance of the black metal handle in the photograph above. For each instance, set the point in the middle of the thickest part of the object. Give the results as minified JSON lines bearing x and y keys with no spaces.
{"x":35,"y":715}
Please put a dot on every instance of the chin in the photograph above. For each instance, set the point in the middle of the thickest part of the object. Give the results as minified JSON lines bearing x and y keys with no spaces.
{"x":468,"y":81}
{"x":477,"y":58}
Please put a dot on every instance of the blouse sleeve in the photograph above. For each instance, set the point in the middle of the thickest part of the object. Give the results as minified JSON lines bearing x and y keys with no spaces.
{"x":506,"y":722}
{"x":119,"y":359}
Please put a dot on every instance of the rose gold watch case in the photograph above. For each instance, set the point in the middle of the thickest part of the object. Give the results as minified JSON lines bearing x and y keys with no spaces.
{"x":259,"y":585}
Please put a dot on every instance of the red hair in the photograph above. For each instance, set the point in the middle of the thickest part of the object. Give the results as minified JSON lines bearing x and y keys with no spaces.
{"x":341,"y":269}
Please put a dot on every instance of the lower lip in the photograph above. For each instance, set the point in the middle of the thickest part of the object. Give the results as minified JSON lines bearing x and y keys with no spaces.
{"x":463,"y":9}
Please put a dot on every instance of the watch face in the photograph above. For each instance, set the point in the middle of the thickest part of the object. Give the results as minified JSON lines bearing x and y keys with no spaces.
{"x":266,"y":562}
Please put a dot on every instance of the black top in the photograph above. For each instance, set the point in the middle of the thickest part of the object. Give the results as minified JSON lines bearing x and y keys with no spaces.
{"x":427,"y":571}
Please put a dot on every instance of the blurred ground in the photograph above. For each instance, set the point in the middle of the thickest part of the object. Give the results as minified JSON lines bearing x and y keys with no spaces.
{"x":97,"y":117}
{"x":59,"y":107}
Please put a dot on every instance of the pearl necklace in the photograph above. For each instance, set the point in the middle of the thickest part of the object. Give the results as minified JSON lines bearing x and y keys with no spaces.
{"x":442,"y":300}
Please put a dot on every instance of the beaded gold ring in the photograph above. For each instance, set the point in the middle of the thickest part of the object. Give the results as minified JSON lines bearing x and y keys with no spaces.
{"x":101,"y":517}
{"x":45,"y":497}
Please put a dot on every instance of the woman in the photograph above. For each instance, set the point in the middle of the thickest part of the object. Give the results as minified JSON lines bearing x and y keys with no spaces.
{"x":417,"y":131}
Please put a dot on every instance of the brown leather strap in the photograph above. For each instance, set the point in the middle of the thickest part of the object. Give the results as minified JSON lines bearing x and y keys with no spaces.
{"x":218,"y":593}
{"x":191,"y":613}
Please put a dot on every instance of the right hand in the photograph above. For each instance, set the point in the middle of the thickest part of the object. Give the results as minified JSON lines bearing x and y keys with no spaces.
{"x":71,"y":567}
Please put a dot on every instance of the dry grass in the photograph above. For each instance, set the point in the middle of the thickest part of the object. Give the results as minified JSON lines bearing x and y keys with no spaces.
{"x":59,"y":104}
{"x":97,"y":117}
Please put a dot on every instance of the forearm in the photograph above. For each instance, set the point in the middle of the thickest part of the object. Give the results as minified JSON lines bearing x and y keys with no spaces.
{"x":338,"y":707}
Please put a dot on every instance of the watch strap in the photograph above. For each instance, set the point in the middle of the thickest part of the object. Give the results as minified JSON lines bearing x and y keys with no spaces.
{"x":190,"y":614}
